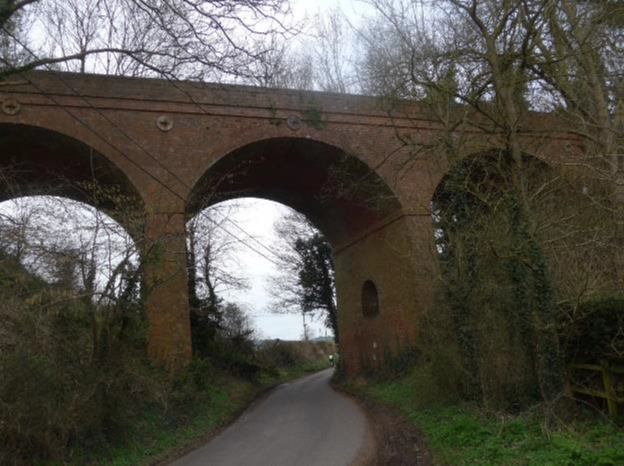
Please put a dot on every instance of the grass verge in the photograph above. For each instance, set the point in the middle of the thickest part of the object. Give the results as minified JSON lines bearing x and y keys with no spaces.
{"x":459,"y":434}
{"x":157,"y":435}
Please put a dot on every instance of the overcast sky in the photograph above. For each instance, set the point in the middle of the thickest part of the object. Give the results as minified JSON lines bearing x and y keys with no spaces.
{"x":352,"y":8}
{"x":257,"y":217}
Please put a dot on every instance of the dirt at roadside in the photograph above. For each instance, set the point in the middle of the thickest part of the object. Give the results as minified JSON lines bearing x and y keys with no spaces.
{"x":397,"y":442}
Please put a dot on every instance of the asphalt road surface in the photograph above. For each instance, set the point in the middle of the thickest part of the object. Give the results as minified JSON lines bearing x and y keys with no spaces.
{"x":303,"y":423}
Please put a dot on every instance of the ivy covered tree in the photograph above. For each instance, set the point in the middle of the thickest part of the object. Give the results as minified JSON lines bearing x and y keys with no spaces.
{"x":488,"y":66}
{"x":316,"y":278}
{"x":306,"y":282}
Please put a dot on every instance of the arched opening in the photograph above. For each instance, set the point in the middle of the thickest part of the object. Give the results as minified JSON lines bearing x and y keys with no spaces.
{"x":71,"y":225}
{"x":370,"y":300}
{"x":349,"y":203}
{"x":261,"y":286}
{"x":71,"y":316}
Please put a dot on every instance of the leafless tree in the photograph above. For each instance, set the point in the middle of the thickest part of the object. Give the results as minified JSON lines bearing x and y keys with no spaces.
{"x":190,"y":39}
{"x":285,"y":286}
{"x":490,"y":66}
{"x":88,"y":260}
{"x":213,"y":267}
{"x":322,"y":58}
{"x":286,"y":68}
{"x":333,"y":53}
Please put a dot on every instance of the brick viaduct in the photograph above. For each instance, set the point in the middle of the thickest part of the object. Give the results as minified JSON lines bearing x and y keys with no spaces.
{"x":176,"y":147}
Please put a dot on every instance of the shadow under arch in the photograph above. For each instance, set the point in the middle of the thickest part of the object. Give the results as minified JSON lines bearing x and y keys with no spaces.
{"x":484,"y":177}
{"x":337,"y":191}
{"x":42,"y":162}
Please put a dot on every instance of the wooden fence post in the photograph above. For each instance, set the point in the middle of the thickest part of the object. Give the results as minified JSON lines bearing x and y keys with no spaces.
{"x":609,"y":388}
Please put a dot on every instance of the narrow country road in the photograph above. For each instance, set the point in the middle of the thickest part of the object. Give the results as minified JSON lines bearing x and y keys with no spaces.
{"x":303,"y":423}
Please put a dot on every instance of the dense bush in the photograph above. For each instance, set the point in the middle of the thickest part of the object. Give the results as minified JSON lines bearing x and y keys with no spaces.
{"x":68,"y":374}
{"x":506,"y":267}
{"x":286,"y":354}
{"x":594,"y":330}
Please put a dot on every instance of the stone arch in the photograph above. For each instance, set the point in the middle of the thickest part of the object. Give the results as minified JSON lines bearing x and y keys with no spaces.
{"x":360,"y":223}
{"x":544,"y":157}
{"x":40,"y":161}
{"x":259,"y":133}
{"x":493,"y":164}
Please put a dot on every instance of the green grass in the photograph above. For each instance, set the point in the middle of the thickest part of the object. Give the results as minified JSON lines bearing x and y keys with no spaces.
{"x":156,"y":433}
{"x":461,"y":434}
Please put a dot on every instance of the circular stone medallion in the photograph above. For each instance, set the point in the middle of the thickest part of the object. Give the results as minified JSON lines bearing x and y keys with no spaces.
{"x":164,"y":123}
{"x":293,"y":122}
{"x":11,"y":107}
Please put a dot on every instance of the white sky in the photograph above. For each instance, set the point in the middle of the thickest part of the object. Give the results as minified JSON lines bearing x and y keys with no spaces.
{"x":257,"y":217}
{"x":352,"y":8}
